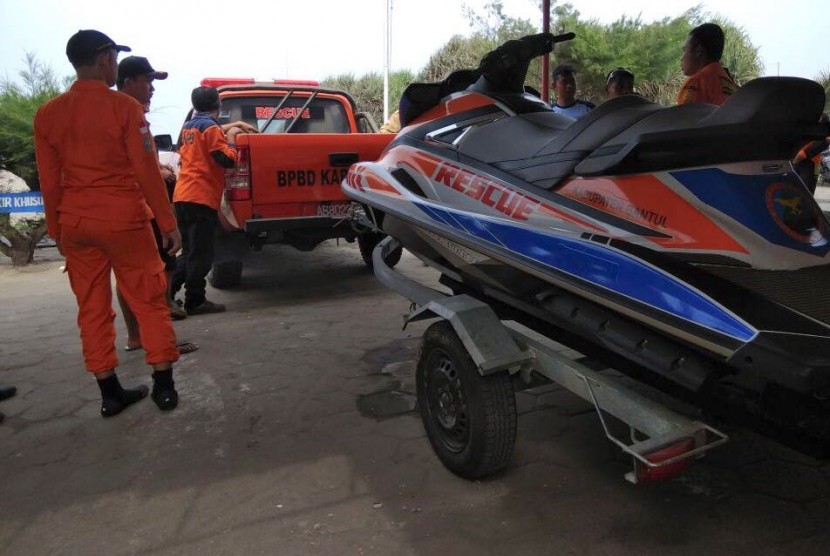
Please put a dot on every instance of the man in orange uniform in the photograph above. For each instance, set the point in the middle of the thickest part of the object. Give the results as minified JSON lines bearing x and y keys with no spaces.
{"x":708,"y":81}
{"x":100,"y":180}
{"x":204,"y":153}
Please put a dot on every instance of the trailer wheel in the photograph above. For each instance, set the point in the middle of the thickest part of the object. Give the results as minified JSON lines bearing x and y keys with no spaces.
{"x":470,"y":419}
{"x":225,"y":275}
{"x":367,"y":241}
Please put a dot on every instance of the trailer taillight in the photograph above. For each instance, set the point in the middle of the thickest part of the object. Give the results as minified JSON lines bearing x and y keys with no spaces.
{"x":238,"y":179}
{"x":663,"y":471}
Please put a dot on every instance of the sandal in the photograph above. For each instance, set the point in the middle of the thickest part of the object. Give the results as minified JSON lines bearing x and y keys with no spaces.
{"x":187,"y":347}
{"x":183,"y":347}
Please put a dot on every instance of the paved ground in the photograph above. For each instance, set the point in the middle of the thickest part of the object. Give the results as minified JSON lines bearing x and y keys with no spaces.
{"x":269,"y":452}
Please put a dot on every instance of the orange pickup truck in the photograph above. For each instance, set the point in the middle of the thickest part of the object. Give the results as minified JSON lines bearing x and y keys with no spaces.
{"x":286,"y":186}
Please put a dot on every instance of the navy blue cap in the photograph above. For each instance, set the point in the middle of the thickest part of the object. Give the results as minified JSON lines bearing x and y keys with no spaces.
{"x":86,"y":43}
{"x":133,"y":66}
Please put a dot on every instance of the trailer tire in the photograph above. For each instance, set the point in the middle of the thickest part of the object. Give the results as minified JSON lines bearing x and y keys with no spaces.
{"x":470,"y":419}
{"x":367,"y":241}
{"x":225,"y":275}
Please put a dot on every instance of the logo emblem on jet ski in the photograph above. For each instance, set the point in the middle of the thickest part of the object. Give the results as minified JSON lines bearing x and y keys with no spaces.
{"x":794,"y":213}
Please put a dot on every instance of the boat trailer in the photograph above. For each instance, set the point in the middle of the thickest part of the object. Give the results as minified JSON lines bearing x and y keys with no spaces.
{"x":465,"y":372}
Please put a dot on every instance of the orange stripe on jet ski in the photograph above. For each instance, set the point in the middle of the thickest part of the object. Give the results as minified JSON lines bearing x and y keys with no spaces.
{"x":419,"y":162}
{"x":646,"y":201}
{"x":377,"y":184}
{"x":353,"y":178}
{"x":456,"y":104}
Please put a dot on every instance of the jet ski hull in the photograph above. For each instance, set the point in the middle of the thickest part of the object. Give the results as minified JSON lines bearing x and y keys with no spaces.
{"x":736,"y":329}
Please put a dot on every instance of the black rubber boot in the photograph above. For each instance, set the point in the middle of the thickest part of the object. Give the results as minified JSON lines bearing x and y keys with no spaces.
{"x":114,"y":398}
{"x":164,"y":391}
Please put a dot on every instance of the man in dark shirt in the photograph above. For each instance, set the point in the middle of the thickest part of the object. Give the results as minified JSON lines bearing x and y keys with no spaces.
{"x":619,"y":82}
{"x":205,"y":154}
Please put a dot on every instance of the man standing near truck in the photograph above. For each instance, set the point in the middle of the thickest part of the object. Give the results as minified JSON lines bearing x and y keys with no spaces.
{"x":205,"y":153}
{"x":100,"y":179}
{"x":135,"y":78}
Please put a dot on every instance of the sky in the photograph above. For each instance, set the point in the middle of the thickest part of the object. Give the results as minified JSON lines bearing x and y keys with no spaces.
{"x":315,"y":39}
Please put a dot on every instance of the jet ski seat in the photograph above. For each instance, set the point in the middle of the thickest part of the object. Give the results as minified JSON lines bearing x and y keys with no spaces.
{"x":544,"y":147}
{"x":767,"y":119}
{"x":417,"y":98}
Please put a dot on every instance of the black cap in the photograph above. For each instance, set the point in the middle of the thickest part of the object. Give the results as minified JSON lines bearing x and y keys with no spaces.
{"x":133,"y":66}
{"x":86,"y":43}
{"x":619,"y":73}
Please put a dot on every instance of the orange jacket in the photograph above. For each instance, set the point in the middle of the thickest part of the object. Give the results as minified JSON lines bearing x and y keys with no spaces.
{"x":813,"y":150}
{"x":711,"y":84}
{"x":201,"y":174}
{"x":97,"y":159}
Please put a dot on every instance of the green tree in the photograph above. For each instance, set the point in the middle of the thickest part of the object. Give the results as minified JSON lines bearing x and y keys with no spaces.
{"x":740,"y":56}
{"x":490,"y":29}
{"x":459,"y":53}
{"x":650,"y":50}
{"x":18,"y":104}
{"x":663,"y":91}
{"x":367,"y":90}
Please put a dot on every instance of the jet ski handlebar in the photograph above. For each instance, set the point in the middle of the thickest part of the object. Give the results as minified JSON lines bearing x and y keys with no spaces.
{"x":505,"y":68}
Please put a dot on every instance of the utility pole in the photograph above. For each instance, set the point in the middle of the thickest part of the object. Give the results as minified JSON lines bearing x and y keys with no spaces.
{"x":546,"y":57}
{"x":387,"y":60}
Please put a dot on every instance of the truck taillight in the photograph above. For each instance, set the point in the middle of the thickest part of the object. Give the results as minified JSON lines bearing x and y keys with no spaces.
{"x":238,"y":179}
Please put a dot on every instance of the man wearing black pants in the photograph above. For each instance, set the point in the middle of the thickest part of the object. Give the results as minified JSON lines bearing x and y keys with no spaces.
{"x":197,"y":224}
{"x":205,"y":154}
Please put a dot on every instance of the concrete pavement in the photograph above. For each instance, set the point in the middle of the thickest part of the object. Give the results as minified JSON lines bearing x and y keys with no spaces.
{"x":296,"y":436}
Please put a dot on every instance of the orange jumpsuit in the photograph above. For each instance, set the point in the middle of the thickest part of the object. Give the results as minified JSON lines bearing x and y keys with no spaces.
{"x":711,"y":84}
{"x":201,"y":178}
{"x":101,"y":185}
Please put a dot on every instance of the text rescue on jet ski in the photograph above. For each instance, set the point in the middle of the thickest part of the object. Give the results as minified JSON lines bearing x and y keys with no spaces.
{"x":511,"y":203}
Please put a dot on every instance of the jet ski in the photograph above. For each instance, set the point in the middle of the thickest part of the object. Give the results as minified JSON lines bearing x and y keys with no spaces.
{"x":676,"y":242}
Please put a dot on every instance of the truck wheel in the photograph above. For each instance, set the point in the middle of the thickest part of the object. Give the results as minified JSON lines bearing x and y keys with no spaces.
{"x":367,"y":242}
{"x":470,"y":419}
{"x":225,"y":275}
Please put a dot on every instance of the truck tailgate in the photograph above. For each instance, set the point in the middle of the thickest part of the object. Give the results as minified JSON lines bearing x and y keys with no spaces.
{"x":299,"y":175}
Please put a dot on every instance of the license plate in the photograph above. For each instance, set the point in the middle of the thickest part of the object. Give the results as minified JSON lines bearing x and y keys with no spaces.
{"x":333,"y":210}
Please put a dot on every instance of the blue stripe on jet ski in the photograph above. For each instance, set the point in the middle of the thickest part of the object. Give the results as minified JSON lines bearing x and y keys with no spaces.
{"x":743,"y":198}
{"x":602,"y":266}
{"x":465,"y":225}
